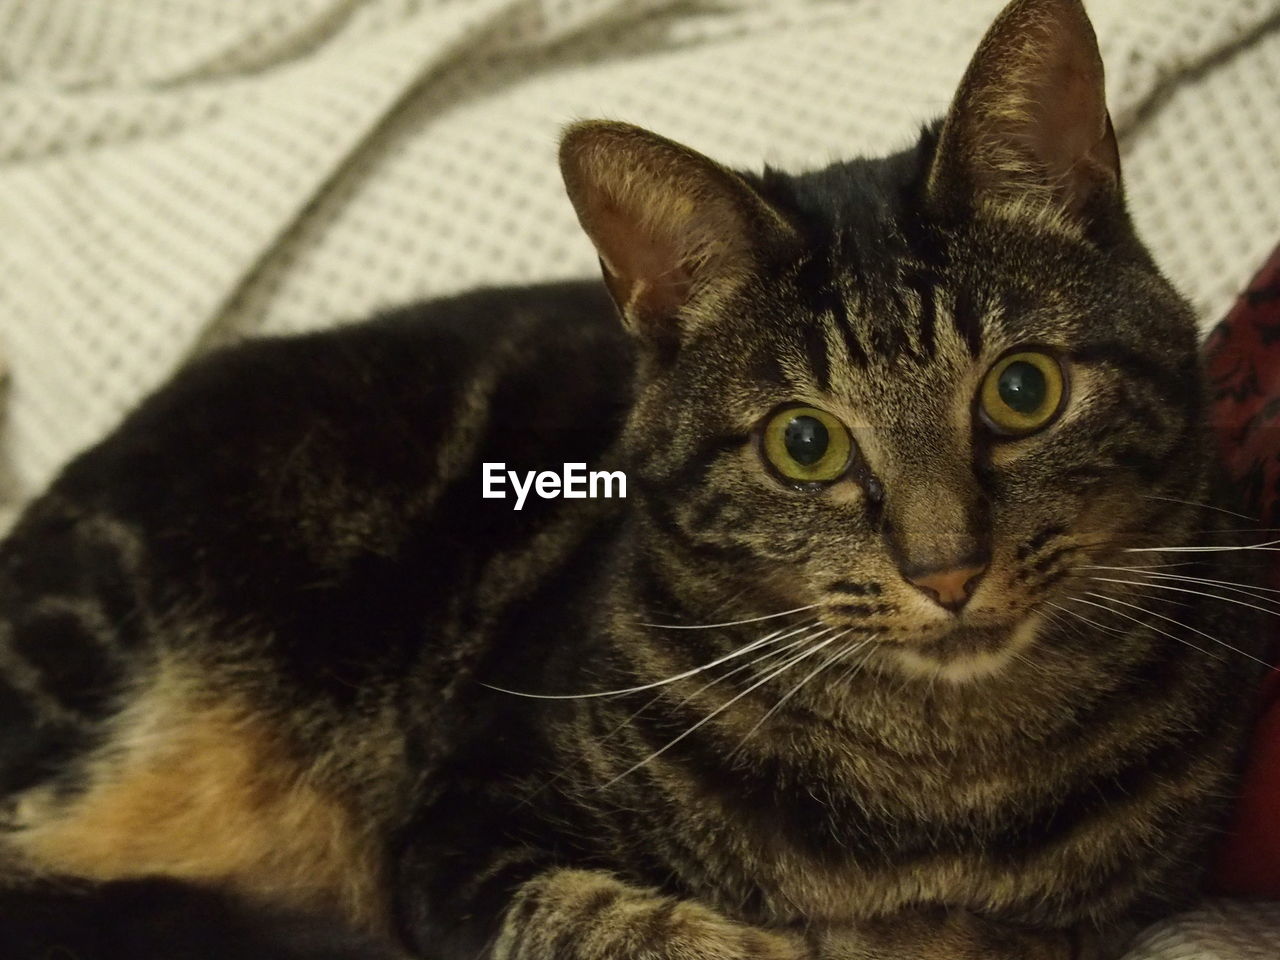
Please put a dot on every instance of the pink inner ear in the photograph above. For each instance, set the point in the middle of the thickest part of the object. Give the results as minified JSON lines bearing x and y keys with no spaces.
{"x":1067,"y":125}
{"x":650,"y":276}
{"x":1066,"y":118}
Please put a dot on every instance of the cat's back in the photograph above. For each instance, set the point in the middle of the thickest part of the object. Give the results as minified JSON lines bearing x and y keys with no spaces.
{"x":309,"y":485}
{"x":382,"y":397}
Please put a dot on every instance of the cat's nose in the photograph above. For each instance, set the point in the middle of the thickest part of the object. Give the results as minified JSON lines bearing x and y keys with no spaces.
{"x":948,"y":587}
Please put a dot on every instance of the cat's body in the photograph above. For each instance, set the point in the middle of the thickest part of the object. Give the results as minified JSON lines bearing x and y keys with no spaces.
{"x":348,"y":660}
{"x":270,"y":638}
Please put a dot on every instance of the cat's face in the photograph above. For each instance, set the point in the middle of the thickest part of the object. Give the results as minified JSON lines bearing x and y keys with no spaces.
{"x":922,"y":394}
{"x":841,"y":455}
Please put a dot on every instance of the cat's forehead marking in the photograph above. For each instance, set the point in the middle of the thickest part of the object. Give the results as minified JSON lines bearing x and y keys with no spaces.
{"x":906,"y":350}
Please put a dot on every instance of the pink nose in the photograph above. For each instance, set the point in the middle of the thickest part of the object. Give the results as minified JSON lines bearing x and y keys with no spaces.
{"x":951,"y":587}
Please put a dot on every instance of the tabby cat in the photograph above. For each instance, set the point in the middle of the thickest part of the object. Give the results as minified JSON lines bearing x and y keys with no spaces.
{"x":875,"y":660}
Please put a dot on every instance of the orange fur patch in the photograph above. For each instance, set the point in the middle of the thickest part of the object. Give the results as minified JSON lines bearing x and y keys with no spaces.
{"x":211,"y":795}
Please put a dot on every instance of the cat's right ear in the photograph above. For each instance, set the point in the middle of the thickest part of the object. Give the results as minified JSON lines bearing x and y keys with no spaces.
{"x":675,"y":231}
{"x":1029,"y":127}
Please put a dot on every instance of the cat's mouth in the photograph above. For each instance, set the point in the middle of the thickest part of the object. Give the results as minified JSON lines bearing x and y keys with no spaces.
{"x":964,"y":641}
{"x":968,"y":651}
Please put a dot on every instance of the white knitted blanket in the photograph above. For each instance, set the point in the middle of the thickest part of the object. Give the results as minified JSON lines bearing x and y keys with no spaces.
{"x":178,"y":173}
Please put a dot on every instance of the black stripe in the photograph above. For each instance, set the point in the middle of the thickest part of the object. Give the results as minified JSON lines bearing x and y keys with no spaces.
{"x":929,"y":245}
{"x":595,"y":904}
{"x":816,"y":281}
{"x":923,"y":284}
{"x":1056,"y":577}
{"x":822,"y":820}
{"x":1039,"y":540}
{"x":863,"y":609}
{"x":967,"y":320}
{"x":896,"y":321}
{"x":840,"y":317}
{"x":867,"y":589}
{"x":661,"y":515}
{"x":710,"y":511}
{"x":651,"y":591}
{"x":694,"y":470}
{"x":1164,"y":667}
{"x":1172,"y":384}
{"x":1047,"y":561}
{"x":815,"y":348}
{"x":116,"y":587}
{"x":1185,"y":450}
{"x":818,"y":278}
{"x":521,"y":923}
{"x":1168,"y":670}
{"x":657,"y":929}
{"x":1144,"y":414}
{"x":846,"y":261}
{"x":1150,"y":460}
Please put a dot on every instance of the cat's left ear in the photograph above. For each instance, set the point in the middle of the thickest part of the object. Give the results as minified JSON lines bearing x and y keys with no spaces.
{"x":675,"y":231}
{"x":1029,"y":125}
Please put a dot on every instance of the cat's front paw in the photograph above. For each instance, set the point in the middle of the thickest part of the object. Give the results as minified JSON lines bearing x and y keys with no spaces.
{"x":586,"y":915}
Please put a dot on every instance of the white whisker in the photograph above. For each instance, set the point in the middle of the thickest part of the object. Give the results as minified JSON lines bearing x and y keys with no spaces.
{"x":1205,"y":506}
{"x":1149,"y":626}
{"x":804,"y":654}
{"x":1269,"y":545}
{"x":853,"y":668}
{"x":1156,"y":566}
{"x":626,"y":722}
{"x":1198,"y":593}
{"x":1250,"y":590}
{"x":1081,"y":616}
{"x":730,"y":623}
{"x":1185,"y":626}
{"x":728,"y":601}
{"x":1159,"y":598}
{"x":775,"y":652}
{"x":774,"y":637}
{"x":852,"y":647}
{"x":771,"y":654}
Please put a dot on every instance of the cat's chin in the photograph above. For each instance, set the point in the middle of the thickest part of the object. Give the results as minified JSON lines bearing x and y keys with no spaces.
{"x":968,"y":653}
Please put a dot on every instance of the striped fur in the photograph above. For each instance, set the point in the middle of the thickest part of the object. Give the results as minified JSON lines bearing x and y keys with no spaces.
{"x":268,"y":640}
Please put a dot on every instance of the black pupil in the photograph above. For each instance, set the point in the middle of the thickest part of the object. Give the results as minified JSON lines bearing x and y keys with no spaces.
{"x":806,"y":440}
{"x":1022,"y":387}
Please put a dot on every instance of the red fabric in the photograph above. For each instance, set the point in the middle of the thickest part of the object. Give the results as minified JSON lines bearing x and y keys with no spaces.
{"x":1244,"y":370}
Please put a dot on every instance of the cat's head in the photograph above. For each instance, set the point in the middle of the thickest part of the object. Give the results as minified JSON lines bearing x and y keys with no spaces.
{"x":918,"y":391}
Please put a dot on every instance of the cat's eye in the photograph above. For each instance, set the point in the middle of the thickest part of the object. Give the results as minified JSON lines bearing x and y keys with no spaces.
{"x":1022,"y":393}
{"x":806,"y":445}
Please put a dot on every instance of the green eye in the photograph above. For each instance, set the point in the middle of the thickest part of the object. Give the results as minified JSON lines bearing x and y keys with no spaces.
{"x":807,"y":444}
{"x":1022,"y":393}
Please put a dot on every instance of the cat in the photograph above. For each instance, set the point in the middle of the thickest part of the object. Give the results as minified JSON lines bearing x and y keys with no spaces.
{"x":873,"y":660}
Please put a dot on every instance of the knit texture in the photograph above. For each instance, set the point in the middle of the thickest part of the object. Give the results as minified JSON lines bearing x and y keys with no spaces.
{"x":177,"y":174}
